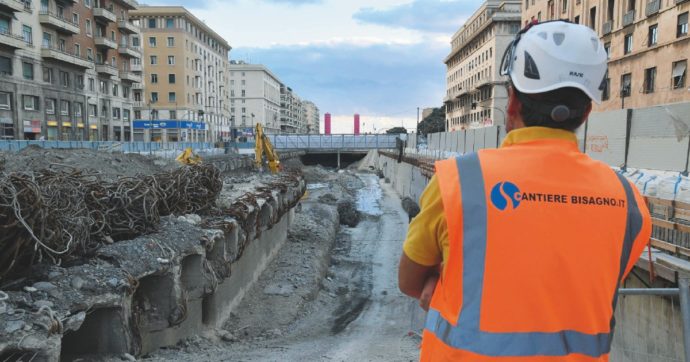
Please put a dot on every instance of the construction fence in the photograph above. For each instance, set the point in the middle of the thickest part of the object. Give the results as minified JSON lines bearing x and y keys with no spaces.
{"x":165,"y":150}
{"x":654,"y":138}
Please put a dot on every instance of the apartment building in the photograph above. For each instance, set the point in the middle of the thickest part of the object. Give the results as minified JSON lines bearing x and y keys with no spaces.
{"x":292,"y":112}
{"x":186,"y":71}
{"x":254,"y":96}
{"x":476,"y":95}
{"x":647,"y":42}
{"x":312,"y":117}
{"x":53,"y":54}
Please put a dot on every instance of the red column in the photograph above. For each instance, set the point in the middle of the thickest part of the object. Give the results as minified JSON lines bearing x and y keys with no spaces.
{"x":327,"y":124}
{"x":356,"y":124}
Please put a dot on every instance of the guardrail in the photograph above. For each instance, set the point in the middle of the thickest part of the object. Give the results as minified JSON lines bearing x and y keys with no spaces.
{"x":334,"y":142}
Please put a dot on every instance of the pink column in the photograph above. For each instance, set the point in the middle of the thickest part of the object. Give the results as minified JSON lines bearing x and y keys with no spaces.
{"x":327,"y":123}
{"x":356,"y":123}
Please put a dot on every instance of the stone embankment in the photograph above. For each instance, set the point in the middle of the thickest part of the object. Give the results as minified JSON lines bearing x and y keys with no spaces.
{"x":133,"y":297}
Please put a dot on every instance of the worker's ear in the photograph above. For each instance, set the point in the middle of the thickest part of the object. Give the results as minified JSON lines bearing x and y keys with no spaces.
{"x":513,"y":110}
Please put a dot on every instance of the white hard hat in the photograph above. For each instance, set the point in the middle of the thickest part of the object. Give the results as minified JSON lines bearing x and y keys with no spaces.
{"x":556,"y":54}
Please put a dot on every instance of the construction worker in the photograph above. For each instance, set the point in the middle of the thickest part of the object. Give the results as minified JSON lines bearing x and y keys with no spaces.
{"x":529,"y":242}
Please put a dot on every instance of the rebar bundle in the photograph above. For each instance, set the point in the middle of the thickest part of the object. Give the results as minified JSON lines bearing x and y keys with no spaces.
{"x":63,"y":213}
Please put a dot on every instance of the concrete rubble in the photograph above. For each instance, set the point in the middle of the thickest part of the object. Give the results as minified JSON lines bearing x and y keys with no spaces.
{"x":154,"y":290}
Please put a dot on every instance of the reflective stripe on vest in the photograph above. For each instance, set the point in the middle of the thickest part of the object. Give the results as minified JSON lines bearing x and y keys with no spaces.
{"x":466,"y":334}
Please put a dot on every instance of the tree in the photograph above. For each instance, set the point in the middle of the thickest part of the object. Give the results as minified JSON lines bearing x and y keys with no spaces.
{"x":397,"y":130}
{"x":433,"y":123}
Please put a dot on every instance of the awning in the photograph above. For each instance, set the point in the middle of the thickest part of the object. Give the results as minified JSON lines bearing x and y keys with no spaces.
{"x":679,"y":69}
{"x":52,"y":124}
{"x":66,"y":124}
{"x":93,"y":126}
{"x":80,"y":125}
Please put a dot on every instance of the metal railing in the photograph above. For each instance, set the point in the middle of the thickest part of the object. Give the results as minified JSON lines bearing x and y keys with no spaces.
{"x":334,"y":142}
{"x":629,"y":17}
{"x":652,"y":7}
{"x":608,"y":27}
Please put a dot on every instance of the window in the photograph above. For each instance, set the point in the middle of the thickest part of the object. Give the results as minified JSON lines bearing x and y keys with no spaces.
{"x":173,"y":114}
{"x":577,"y":19}
{"x":93,"y":110}
{"x":27,"y":35}
{"x":77,"y":50}
{"x":152,"y":41}
{"x":116,"y":113}
{"x":112,"y":36}
{"x":154,"y":97}
{"x":5,"y":101}
{"x":171,"y":41}
{"x":125,"y":92}
{"x":5,"y":66}
{"x":48,"y":75}
{"x":628,"y":43}
{"x":89,"y":29}
{"x":135,"y":41}
{"x":30,"y":103}
{"x":172,"y":97}
{"x":79,"y":80}
{"x":649,"y":79}
{"x":682,"y":29}
{"x":125,"y":114}
{"x":78,"y":108}
{"x":64,"y":79}
{"x":593,"y":18}
{"x":154,"y":60}
{"x":564,"y":6}
{"x":680,"y":71}
{"x":115,"y":89}
{"x":28,"y":70}
{"x":50,"y":106}
{"x":103,"y":86}
{"x":626,"y":84}
{"x":169,"y":23}
{"x":87,"y":3}
{"x":75,"y":18}
{"x":89,"y":54}
{"x":607,"y":49}
{"x":64,"y":108}
{"x":152,"y":23}
{"x":92,"y":85}
{"x":154,"y":78}
{"x":653,"y":35}
{"x":171,"y":60}
{"x":171,"y":78}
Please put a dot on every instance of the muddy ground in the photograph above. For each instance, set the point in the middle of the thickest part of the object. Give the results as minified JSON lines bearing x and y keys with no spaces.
{"x":329,"y":295}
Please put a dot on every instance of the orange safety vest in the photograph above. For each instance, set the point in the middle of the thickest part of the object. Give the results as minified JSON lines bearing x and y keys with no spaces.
{"x":540,"y":238}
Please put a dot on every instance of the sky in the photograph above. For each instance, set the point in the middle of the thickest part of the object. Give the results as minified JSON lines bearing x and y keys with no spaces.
{"x":381,"y":59}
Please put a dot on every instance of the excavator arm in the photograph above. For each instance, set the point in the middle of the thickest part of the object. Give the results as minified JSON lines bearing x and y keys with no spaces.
{"x":264,"y":147}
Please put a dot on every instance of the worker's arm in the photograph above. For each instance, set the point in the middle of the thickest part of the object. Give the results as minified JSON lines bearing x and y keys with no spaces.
{"x":642,"y":239}
{"x":423,"y":248}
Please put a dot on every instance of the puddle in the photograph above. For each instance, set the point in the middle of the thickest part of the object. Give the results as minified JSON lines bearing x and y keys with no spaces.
{"x":369,"y":196}
{"x":316,"y":186}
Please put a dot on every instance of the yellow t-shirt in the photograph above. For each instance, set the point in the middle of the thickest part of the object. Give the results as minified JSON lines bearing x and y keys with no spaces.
{"x":427,"y":237}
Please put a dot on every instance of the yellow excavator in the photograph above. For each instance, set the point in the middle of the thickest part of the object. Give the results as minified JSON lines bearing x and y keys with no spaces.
{"x":188,"y":157}
{"x":264,"y":147}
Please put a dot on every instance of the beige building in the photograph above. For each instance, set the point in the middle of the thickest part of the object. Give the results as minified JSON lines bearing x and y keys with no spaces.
{"x":186,"y":71}
{"x":65,"y":69}
{"x":292,"y":113}
{"x":647,"y":43}
{"x":254,"y":96}
{"x":312,"y":117}
{"x":475,"y":92}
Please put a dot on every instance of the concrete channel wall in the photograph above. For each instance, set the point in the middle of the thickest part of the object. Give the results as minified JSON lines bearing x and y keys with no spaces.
{"x":648,"y":327}
{"x":136,"y":296}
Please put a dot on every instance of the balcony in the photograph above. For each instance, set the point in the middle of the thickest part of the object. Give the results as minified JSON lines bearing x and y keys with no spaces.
{"x":127,"y":27}
{"x":680,"y":1}
{"x":106,"y":69}
{"x":607,"y":28}
{"x":62,"y":56}
{"x":129,"y":51}
{"x":129,"y":76}
{"x":139,"y":104}
{"x":137,"y":68}
{"x":11,"y":5}
{"x":104,"y":15}
{"x":138,"y":85}
{"x":628,"y":18}
{"x":652,"y":7}
{"x":129,"y":4}
{"x":13,"y":41}
{"x":104,"y":42}
{"x":58,"y":22}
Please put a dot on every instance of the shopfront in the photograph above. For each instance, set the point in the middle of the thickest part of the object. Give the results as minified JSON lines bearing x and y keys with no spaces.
{"x":170,"y":131}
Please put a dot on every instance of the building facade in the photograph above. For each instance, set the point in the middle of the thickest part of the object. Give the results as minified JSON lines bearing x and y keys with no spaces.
{"x":476,"y":95}
{"x":647,"y":43}
{"x":293,"y":112}
{"x":312,"y":117}
{"x":186,"y":72}
{"x":57,"y":61}
{"x":254,"y":97}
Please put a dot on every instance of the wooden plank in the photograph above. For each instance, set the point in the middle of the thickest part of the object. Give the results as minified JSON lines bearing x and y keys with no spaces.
{"x":663,"y":223}
{"x":659,"y":244}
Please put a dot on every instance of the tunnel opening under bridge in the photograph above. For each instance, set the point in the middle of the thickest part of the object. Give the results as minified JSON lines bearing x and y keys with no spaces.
{"x":332,"y":159}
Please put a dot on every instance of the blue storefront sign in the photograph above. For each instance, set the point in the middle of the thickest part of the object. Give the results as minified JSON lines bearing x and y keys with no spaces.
{"x":168,"y":124}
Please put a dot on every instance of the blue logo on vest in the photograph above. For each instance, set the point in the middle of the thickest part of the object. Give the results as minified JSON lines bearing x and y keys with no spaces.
{"x":504,"y":191}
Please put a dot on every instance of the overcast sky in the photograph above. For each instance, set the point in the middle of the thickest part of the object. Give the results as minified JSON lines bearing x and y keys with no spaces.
{"x":382,"y":58}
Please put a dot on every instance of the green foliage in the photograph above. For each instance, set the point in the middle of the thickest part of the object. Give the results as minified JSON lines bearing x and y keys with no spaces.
{"x":433,"y":123}
{"x":397,"y":130}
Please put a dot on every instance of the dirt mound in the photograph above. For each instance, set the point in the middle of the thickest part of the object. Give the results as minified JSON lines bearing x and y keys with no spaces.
{"x":110,"y":165}
{"x":348,"y":213}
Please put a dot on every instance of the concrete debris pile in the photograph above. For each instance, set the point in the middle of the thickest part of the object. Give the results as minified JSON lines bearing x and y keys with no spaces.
{"x":137,"y":295}
{"x":62,"y":213}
